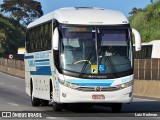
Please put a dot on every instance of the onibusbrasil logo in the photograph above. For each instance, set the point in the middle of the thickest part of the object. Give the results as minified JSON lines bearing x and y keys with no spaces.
{"x":21,"y":115}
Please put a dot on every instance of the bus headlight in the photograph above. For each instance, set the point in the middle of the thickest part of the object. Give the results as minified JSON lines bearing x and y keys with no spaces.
{"x":61,"y":81}
{"x":125,"y":85}
{"x":67,"y":84}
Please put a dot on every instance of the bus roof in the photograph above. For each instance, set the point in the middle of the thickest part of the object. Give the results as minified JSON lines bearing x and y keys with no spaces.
{"x":83,"y":15}
{"x":153,"y":42}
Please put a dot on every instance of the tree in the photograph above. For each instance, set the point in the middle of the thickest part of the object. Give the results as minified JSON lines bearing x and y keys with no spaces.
{"x":135,"y":10}
{"x":2,"y":37}
{"x":12,"y":35}
{"x":152,"y":1}
{"x":2,"y":42}
{"x":147,"y":22}
{"x":24,"y":11}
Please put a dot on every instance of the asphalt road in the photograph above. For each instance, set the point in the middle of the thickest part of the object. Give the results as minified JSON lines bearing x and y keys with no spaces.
{"x":14,"y":98}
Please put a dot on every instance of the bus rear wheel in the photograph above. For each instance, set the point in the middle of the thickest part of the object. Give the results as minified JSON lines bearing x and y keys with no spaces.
{"x":116,"y":107}
{"x":57,"y":107}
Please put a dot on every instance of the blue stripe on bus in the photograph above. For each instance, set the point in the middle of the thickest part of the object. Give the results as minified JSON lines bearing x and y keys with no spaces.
{"x":42,"y":70}
{"x":40,"y":73}
{"x":44,"y":60}
{"x":29,"y":57}
{"x":43,"y":63}
{"x":100,"y":83}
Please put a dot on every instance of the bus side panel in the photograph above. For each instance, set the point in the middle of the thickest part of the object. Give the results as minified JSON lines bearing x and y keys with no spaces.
{"x":42,"y":75}
{"x":29,"y":66}
{"x":38,"y":71}
{"x":55,"y":83}
{"x":41,"y":86}
{"x":56,"y":90}
{"x":27,"y":83}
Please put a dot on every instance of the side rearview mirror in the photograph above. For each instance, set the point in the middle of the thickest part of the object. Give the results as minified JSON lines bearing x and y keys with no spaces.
{"x":55,"y":39}
{"x":137,"y":37}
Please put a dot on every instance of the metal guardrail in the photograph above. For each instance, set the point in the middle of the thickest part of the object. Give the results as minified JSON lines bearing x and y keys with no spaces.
{"x":12,"y":63}
{"x":147,"y":69}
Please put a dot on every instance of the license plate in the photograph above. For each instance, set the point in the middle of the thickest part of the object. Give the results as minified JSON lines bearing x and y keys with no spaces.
{"x":98,"y":97}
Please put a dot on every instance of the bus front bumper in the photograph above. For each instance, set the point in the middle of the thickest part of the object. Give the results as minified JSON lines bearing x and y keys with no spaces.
{"x":68,"y":95}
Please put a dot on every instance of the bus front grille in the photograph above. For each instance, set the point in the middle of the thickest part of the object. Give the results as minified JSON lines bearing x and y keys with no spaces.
{"x":90,"y":89}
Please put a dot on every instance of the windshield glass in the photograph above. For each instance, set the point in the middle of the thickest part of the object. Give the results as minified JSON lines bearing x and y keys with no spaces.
{"x":95,"y":50}
{"x":78,"y":48}
{"x":114,"y":51}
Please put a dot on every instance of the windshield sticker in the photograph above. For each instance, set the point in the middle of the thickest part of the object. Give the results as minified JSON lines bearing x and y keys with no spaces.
{"x":101,"y":68}
{"x":94,"y":69}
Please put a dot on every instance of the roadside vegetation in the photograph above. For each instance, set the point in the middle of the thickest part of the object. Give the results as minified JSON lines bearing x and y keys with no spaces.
{"x":13,"y":28}
{"x":12,"y":35}
{"x":147,"y":21}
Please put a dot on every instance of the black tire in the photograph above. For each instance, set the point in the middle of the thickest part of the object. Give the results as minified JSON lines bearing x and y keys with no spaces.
{"x":116,"y":107}
{"x":57,"y":107}
{"x":34,"y":101}
{"x":51,"y":91}
{"x":89,"y":105}
{"x":44,"y":102}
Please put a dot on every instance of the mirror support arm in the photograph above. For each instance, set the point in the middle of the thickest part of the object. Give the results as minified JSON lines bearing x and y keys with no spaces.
{"x":137,"y":39}
{"x":55,"y":40}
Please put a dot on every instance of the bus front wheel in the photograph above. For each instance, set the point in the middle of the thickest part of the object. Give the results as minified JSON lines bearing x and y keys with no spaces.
{"x":34,"y":101}
{"x":116,"y":107}
{"x":57,"y":107}
{"x":44,"y":102}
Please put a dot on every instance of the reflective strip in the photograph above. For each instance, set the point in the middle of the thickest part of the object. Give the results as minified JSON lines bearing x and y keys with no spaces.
{"x":91,"y":82}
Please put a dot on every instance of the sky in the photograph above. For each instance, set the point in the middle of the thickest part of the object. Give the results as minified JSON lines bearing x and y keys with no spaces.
{"x":124,"y":6}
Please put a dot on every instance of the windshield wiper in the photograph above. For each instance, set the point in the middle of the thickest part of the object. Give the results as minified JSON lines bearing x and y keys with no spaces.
{"x":85,"y":64}
{"x":111,"y":65}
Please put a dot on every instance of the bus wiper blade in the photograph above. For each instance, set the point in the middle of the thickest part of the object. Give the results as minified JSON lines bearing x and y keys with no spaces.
{"x":85,"y":64}
{"x":111,"y":65}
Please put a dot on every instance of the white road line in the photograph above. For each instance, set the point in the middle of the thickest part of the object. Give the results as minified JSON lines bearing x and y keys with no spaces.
{"x":59,"y":118}
{"x":53,"y":118}
{"x":141,"y":99}
{"x":11,"y":76}
{"x":13,"y":104}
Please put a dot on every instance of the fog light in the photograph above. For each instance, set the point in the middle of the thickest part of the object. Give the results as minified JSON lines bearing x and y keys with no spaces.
{"x":123,"y":85}
{"x":61,"y":81}
{"x":73,"y":86}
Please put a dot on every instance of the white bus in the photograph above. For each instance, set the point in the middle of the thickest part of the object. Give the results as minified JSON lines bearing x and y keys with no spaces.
{"x":149,"y":50}
{"x":80,"y":55}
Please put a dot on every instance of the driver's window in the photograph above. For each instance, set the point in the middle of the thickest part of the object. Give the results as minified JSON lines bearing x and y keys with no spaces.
{"x":71,"y":52}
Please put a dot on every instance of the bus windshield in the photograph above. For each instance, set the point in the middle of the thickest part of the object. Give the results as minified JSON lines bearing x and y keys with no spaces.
{"x":95,"y":50}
